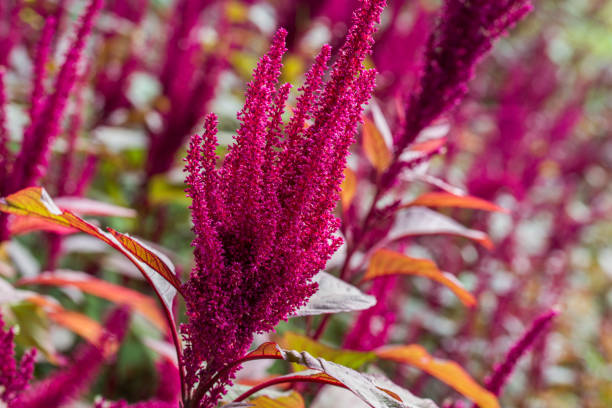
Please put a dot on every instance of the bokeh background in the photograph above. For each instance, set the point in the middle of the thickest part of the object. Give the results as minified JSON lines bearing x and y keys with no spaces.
{"x":532,"y":136}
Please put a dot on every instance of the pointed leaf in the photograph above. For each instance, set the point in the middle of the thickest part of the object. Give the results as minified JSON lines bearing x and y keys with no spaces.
{"x":22,"y":224}
{"x":154,"y":259}
{"x":385,"y":262}
{"x":375,"y":147}
{"x":444,"y":199}
{"x":446,"y":371}
{"x":348,"y":358}
{"x":265,"y":350}
{"x":423,"y":221}
{"x":348,"y":188}
{"x":103,"y":289}
{"x":366,"y":387}
{"x":335,"y":296}
{"x":156,"y":268}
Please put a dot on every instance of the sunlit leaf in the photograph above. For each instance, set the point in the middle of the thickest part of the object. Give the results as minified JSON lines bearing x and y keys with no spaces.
{"x":267,"y":350}
{"x":364,"y":386}
{"x":335,"y":296}
{"x":154,"y":259}
{"x":416,"y":221}
{"x":385,"y":262}
{"x":444,"y":199}
{"x":103,"y":289}
{"x":22,"y":224}
{"x":155,"y":267}
{"x":446,"y":371}
{"x":348,"y":188}
{"x":348,"y":358}
{"x":368,"y":388}
{"x":375,"y":147}
{"x":293,"y":400}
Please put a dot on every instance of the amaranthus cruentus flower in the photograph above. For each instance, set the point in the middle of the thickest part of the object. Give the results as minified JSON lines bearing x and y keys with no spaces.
{"x":47,"y":109}
{"x":13,"y":378}
{"x":464,"y":34}
{"x":69,"y":383}
{"x":263,"y":222}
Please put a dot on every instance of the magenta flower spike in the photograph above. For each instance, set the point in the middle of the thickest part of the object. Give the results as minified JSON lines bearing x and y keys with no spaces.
{"x":464,"y":34}
{"x":40,"y":62}
{"x":13,"y":378}
{"x":9,"y":28}
{"x":496,"y":381}
{"x":69,"y":383}
{"x":189,"y":80}
{"x":264,"y":221}
{"x":32,"y":160}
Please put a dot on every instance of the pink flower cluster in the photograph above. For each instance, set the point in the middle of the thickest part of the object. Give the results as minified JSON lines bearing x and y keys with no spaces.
{"x":264,"y":221}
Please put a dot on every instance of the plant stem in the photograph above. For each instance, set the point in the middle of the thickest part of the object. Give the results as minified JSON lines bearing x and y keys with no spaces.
{"x":282,"y":380}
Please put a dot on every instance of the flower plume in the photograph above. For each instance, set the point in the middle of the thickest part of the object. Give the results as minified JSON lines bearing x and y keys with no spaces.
{"x":263,"y":221}
{"x":13,"y":378}
{"x":465,"y":32}
{"x":502,"y":372}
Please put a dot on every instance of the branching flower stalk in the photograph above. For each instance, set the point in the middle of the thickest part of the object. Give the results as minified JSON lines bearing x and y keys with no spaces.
{"x":465,"y":32}
{"x":264,"y":221}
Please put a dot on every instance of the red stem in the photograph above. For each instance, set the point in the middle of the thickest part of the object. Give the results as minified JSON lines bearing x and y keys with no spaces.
{"x":282,"y":380}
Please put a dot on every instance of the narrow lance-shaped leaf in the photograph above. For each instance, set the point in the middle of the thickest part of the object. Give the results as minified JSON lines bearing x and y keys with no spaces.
{"x":416,"y":221}
{"x":21,"y":224}
{"x":446,"y":371}
{"x":348,"y":188}
{"x":366,"y":387}
{"x":156,"y":268}
{"x":375,"y":146}
{"x":385,"y":262}
{"x":103,"y":289}
{"x":445,"y":199}
{"x":335,"y":296}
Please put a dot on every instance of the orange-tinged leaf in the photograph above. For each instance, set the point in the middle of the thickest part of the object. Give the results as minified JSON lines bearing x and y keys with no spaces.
{"x":377,"y":392}
{"x":446,"y":371}
{"x":35,"y":201}
{"x":293,"y":400}
{"x":148,"y":256}
{"x":22,"y":224}
{"x":103,"y":289}
{"x":375,"y":147}
{"x":77,"y":322}
{"x":428,"y":146}
{"x":265,"y":350}
{"x":348,"y":188}
{"x":444,"y":199}
{"x":385,"y":262}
